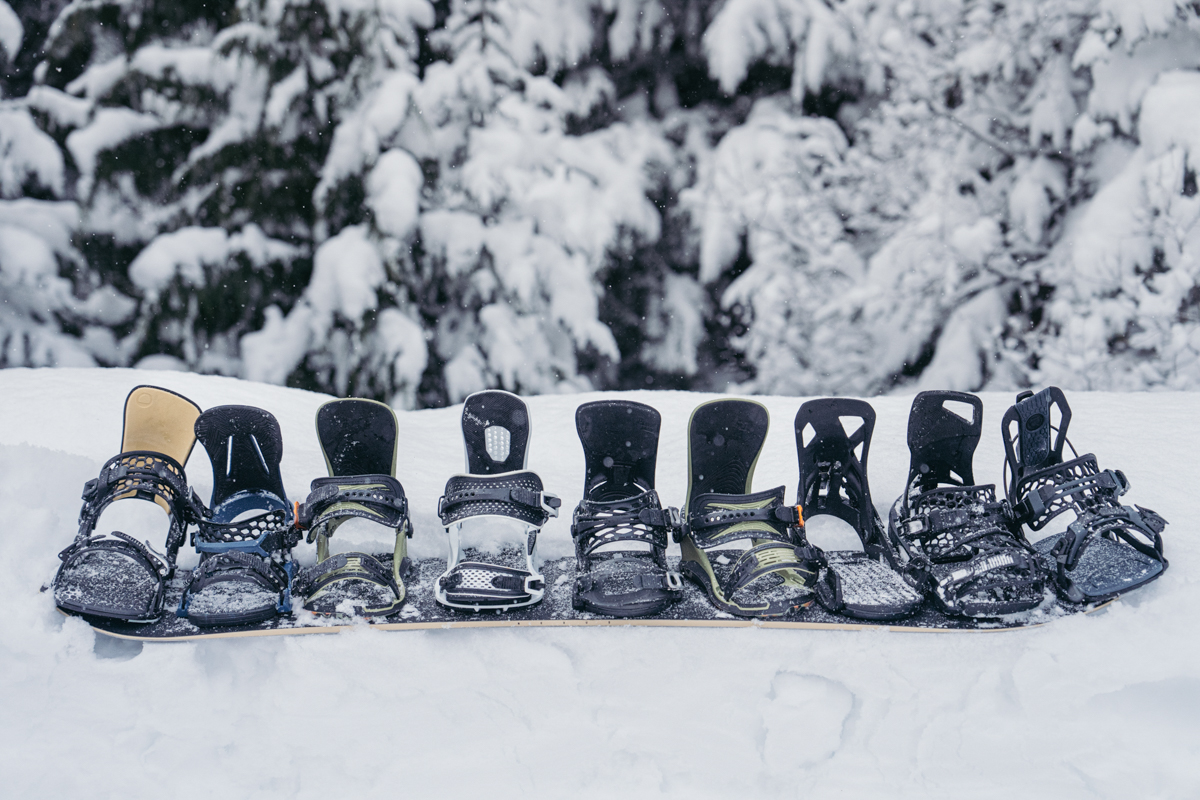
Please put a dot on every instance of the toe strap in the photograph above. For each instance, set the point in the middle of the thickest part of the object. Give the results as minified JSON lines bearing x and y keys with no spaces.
{"x":478,"y":583}
{"x":771,"y":557}
{"x":1008,"y":569}
{"x":156,"y":566}
{"x":345,"y":567}
{"x":237,"y":567}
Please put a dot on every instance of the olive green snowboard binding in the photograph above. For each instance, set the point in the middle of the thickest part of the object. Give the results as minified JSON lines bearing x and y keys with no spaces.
{"x":358,"y":438}
{"x":746,"y":550}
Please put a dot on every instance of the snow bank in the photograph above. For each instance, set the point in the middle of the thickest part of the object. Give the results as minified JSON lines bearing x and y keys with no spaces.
{"x":1102,"y":706}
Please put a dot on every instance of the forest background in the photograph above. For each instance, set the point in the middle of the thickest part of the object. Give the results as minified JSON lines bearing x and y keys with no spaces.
{"x":413,"y":200}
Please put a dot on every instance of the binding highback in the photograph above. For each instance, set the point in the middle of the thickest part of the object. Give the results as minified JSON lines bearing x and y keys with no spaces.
{"x":1031,"y":441}
{"x":942,"y":442}
{"x":833,"y":463}
{"x":358,"y":437}
{"x":245,"y":447}
{"x":620,"y":446}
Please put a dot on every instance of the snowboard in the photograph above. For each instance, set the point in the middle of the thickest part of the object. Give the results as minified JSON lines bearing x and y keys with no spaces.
{"x":422,"y":612}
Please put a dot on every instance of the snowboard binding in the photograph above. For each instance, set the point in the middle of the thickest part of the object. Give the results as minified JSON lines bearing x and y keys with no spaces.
{"x":621,"y":530}
{"x":358,"y":438}
{"x":1109,"y":548}
{"x":245,"y":571}
{"x":112,"y":575}
{"x":775,"y":573}
{"x":875,"y":584}
{"x":497,"y":492}
{"x":955,"y":533}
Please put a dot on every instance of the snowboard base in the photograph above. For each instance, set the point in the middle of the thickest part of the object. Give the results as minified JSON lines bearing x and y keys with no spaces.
{"x":422,"y":612}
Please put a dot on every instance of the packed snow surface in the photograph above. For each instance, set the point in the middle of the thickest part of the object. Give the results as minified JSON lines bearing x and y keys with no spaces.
{"x":1096,"y":706}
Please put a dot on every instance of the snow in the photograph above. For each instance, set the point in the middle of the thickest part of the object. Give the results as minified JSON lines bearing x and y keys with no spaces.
{"x":54,"y":222}
{"x":26,"y":153}
{"x":394,"y":192}
{"x":109,"y":128}
{"x":1122,"y":79}
{"x":100,"y":78}
{"x":61,"y":107}
{"x":283,"y":94}
{"x":801,"y":34}
{"x":456,"y":236}
{"x":249,"y":81}
{"x":191,"y":66}
{"x":12,"y":32}
{"x":24,"y":258}
{"x":186,"y":252}
{"x":181,"y":253}
{"x":1097,"y":706}
{"x":1171,"y":114}
{"x":346,"y":272}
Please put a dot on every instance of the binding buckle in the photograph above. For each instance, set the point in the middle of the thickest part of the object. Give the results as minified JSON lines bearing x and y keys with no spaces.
{"x":549,"y":503}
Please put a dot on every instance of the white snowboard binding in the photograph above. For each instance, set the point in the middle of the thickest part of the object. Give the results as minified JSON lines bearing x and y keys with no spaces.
{"x":497,"y":492}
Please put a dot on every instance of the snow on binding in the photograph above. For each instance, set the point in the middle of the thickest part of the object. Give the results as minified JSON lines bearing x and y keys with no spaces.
{"x":746,"y":550}
{"x":1109,"y":548}
{"x":245,"y":542}
{"x":359,"y":441}
{"x":954,"y":535}
{"x":111,"y":575}
{"x":620,"y":529}
{"x":833,"y":440}
{"x":761,"y":570}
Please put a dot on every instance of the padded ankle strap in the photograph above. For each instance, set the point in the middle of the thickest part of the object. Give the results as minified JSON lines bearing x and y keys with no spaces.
{"x":378,"y":498}
{"x":238,"y":566}
{"x":946,"y":521}
{"x":995,"y":571}
{"x":764,"y":559}
{"x":1115,"y":521}
{"x":518,"y":495}
{"x":344,"y":566}
{"x":1078,"y":485}
{"x":634,"y":519}
{"x":120,"y":542}
{"x":268,"y":533}
{"x":146,"y":476}
{"x":718,"y":519}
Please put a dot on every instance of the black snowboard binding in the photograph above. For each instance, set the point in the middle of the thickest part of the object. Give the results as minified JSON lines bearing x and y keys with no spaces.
{"x":112,"y":575}
{"x":1109,"y":548}
{"x":874,"y":584}
{"x":620,"y":506}
{"x":774,"y":575}
{"x":497,"y":492}
{"x":975,"y":561}
{"x":358,"y":438}
{"x":245,"y":571}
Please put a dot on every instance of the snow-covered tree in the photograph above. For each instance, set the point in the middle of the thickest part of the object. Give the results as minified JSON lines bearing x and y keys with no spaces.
{"x":520,"y":214}
{"x":1125,"y":313}
{"x":919,"y":248}
{"x":412,"y":200}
